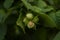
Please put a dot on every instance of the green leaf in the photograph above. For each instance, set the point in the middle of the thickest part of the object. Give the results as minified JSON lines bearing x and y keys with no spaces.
{"x":20,"y":22}
{"x":53,"y":17}
{"x":41,"y":4}
{"x":27,"y":5}
{"x":8,"y":3}
{"x":3,"y":30}
{"x":49,"y":8}
{"x":36,"y":9}
{"x":2,"y":16}
{"x":58,"y":18}
{"x":35,"y":19}
{"x":48,"y":21}
{"x":57,"y":37}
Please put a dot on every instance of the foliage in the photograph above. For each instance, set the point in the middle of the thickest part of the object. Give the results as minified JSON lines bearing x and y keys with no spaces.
{"x":29,"y":20}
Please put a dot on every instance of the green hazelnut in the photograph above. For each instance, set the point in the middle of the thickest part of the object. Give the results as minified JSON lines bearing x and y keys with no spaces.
{"x":30,"y":24}
{"x":29,"y":15}
{"x":25,"y":20}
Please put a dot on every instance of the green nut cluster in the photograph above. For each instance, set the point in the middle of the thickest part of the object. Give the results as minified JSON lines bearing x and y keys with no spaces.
{"x":30,"y":20}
